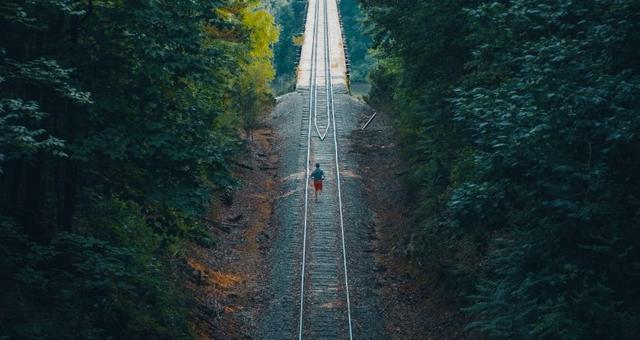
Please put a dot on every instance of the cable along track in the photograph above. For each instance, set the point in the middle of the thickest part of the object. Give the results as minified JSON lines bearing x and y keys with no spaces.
{"x":325,"y":306}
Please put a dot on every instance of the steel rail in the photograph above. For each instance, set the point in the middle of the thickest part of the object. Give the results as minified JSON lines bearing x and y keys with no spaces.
{"x":327,"y":65}
{"x":335,"y":145}
{"x":330,"y":120}
{"x":312,"y":88}
{"x":322,"y":136}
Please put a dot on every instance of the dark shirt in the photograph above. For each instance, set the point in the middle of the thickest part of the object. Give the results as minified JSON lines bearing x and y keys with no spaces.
{"x":317,"y":174}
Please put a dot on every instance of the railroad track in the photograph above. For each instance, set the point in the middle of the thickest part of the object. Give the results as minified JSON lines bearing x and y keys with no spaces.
{"x":325,"y":307}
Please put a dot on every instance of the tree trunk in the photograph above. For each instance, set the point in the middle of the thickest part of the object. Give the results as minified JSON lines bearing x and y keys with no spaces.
{"x":70,"y":184}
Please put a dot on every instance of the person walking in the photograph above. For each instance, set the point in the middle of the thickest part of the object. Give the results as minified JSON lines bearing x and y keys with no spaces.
{"x":318,"y":177}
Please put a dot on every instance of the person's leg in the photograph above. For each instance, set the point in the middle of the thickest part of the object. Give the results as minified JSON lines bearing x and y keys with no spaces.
{"x":315,"y":189}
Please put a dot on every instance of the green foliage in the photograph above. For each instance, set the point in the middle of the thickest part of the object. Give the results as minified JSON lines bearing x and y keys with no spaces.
{"x":253,"y":87}
{"x":18,"y":140}
{"x":356,"y":41}
{"x":405,"y":81}
{"x":82,"y":287}
{"x":290,"y":16}
{"x":520,"y":123}
{"x":118,"y":122}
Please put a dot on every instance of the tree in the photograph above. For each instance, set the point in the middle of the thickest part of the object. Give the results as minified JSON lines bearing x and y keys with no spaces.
{"x":112,"y":145}
{"x":519,"y":121}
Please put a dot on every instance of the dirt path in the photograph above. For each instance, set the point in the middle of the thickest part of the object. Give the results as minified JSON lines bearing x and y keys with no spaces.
{"x":416,"y":303}
{"x":227,"y":279}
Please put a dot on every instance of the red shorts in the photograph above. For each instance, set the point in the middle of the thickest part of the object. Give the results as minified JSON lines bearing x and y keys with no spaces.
{"x":317,"y":185}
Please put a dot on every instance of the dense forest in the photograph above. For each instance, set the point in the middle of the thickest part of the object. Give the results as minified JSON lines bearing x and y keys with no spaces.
{"x":290,"y":18}
{"x":519,"y":120}
{"x":118,"y":123}
{"x":357,"y":41}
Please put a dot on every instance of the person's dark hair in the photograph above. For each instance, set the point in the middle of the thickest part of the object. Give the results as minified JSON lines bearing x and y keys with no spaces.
{"x":317,"y":165}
